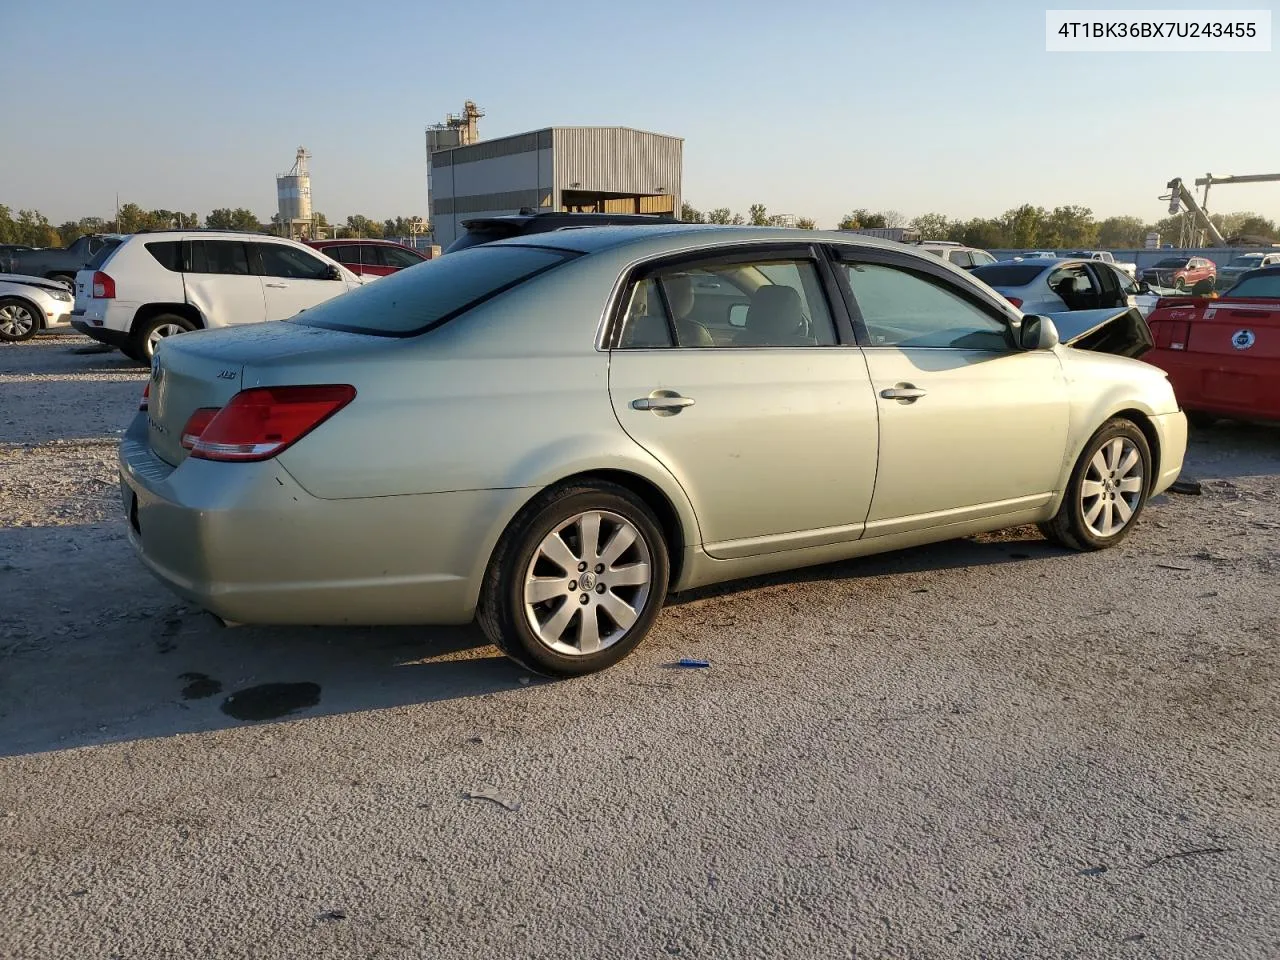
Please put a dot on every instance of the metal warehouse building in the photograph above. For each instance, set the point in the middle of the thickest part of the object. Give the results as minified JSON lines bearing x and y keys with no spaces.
{"x":593,"y":169}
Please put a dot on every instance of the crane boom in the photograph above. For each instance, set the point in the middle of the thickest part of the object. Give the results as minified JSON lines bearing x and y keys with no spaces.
{"x":1181,"y":193}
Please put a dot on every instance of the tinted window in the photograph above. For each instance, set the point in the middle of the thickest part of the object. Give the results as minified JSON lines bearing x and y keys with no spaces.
{"x":1009,"y":274}
{"x":290,"y":262}
{"x":982,"y":259}
{"x":168,"y":254}
{"x":400,"y":257}
{"x":769,"y":303}
{"x":1266,"y":285}
{"x":219,"y":256}
{"x":907,"y":310}
{"x":104,"y":254}
{"x":414,"y":301}
{"x":1248,"y":260}
{"x":1172,"y":262}
{"x":960,"y":258}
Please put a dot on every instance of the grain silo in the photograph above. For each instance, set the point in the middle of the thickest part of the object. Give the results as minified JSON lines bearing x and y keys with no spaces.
{"x":293,"y":197}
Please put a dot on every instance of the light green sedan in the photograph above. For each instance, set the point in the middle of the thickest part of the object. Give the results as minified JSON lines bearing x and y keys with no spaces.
{"x":549,"y":434}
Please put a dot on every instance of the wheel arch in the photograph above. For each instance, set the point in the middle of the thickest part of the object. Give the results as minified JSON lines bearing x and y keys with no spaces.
{"x":149,"y":311}
{"x":1143,"y":422}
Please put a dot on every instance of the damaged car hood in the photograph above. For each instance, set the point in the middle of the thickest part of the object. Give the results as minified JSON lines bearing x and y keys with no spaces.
{"x":1122,"y":332}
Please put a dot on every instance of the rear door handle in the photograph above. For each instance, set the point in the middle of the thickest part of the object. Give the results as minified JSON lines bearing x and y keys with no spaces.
{"x":903,"y":393}
{"x":672,"y":403}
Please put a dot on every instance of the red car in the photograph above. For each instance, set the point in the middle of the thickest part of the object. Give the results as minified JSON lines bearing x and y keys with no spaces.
{"x":369,"y":257}
{"x":1222,"y":354}
{"x":1180,"y":273}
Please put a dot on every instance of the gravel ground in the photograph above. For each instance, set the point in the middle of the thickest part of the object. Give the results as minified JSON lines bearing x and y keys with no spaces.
{"x":986,"y":748}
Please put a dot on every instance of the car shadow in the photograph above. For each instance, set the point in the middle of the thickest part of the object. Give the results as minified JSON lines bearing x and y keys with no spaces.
{"x":1233,"y":449}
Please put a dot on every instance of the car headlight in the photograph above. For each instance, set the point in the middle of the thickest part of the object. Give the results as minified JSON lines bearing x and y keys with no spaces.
{"x":62,"y":295}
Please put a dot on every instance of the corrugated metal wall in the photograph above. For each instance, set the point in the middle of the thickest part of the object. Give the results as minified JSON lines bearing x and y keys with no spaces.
{"x":617,"y":160}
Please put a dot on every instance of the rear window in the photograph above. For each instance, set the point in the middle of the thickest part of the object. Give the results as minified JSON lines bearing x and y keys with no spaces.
{"x":410,"y":302}
{"x":168,"y":254}
{"x":1172,"y":262}
{"x":103,"y":255}
{"x":472,"y":238}
{"x":1266,"y":286}
{"x":1009,"y":274}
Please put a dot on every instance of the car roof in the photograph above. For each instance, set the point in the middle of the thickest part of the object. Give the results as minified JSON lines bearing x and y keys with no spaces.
{"x":344,"y":241}
{"x":1261,"y":272}
{"x":596,"y":239}
{"x":554,"y":216}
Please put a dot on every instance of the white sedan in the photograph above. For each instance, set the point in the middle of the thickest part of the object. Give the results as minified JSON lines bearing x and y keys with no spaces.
{"x":31,"y":304}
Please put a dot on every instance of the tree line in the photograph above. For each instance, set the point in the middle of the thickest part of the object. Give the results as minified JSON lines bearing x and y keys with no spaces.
{"x":1026,"y":227}
{"x":33,"y":228}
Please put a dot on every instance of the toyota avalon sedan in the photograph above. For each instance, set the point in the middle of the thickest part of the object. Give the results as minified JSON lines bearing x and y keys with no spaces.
{"x":549,"y":433}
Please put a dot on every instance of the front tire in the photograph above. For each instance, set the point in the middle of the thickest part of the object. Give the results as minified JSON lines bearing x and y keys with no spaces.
{"x":576,"y":581}
{"x":148,"y":334}
{"x":1107,"y":490}
{"x":19,"y":320}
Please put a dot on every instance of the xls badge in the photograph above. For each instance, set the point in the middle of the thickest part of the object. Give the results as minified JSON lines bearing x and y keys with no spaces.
{"x":1243,"y":339}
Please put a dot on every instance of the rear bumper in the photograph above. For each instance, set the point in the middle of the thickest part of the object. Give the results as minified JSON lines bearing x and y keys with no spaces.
{"x":113,"y":338}
{"x":247,"y":543}
{"x":1237,"y":386}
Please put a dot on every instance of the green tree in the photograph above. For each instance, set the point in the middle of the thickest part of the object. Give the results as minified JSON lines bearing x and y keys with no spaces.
{"x":224,"y":218}
{"x":690,"y":214}
{"x":758,"y":215}
{"x":849,"y":222}
{"x":806,"y":223}
{"x":361,"y":226}
{"x":1022,"y":227}
{"x":720,"y":215}
{"x":978,"y":232}
{"x":931,"y":226}
{"x":894,"y":218}
{"x":863,"y":219}
{"x":1120,"y":232}
{"x":1070,"y":226}
{"x":1255,"y":225}
{"x":69,"y":233}
{"x":737,"y":220}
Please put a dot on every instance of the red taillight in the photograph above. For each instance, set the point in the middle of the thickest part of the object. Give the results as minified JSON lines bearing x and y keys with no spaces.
{"x":197,"y":423}
{"x":263,"y":421}
{"x":1015,"y":301}
{"x":146,"y":397}
{"x":104,"y":288}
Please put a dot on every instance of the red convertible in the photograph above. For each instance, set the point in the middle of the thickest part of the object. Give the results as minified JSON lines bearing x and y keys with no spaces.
{"x":1223,"y":354}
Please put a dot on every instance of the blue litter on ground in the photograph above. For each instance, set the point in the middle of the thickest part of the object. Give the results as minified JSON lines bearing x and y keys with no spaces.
{"x":690,"y":662}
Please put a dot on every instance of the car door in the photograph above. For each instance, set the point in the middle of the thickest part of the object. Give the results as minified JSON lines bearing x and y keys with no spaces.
{"x":220,"y":284}
{"x":293,"y":279}
{"x":1107,"y":282}
{"x":970,"y":425}
{"x":772,"y":431}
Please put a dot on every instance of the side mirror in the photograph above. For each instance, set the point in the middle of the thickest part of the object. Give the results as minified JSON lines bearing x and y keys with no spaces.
{"x":332,"y":272}
{"x":1038,"y":333}
{"x":1144,"y":287}
{"x":738,"y":315}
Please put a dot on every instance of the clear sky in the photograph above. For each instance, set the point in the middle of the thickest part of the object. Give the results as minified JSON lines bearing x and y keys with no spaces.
{"x":810,"y":107}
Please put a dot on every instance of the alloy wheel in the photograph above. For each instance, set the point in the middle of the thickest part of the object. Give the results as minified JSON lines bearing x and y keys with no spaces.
{"x":159,"y":333}
{"x":16,"y":320}
{"x":1112,"y":487}
{"x":587,"y":583}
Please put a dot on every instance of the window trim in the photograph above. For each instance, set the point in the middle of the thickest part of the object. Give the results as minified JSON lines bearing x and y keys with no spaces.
{"x":939,"y":276}
{"x":722,"y":255}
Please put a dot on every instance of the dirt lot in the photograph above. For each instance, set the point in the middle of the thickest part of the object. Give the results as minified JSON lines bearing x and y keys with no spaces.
{"x":988,"y":748}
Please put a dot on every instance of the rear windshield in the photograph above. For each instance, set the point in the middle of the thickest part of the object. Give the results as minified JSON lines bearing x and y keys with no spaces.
{"x":488,"y":234}
{"x":103,"y":255}
{"x":1008,"y":274}
{"x":1172,"y":262}
{"x":1266,"y":286}
{"x":1247,"y":260}
{"x":410,"y":302}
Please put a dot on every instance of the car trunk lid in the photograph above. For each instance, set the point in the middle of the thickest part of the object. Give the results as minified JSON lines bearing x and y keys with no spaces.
{"x":205,"y":369}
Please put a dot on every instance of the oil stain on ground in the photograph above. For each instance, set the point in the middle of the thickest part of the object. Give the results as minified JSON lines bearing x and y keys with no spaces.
{"x":198,"y":686}
{"x":271,"y":700}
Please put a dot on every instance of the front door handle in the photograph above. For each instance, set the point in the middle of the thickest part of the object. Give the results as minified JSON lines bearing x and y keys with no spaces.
{"x":903,"y":393}
{"x":662,"y":402}
{"x":278,"y":286}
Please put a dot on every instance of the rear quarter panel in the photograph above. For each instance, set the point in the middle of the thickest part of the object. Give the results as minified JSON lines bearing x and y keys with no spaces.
{"x":512,"y":395}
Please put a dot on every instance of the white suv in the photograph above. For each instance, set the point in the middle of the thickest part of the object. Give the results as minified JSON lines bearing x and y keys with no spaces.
{"x":155,"y":285}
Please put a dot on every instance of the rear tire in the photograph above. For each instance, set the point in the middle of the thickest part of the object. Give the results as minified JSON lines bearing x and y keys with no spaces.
{"x":532,"y":604}
{"x":148,"y":334}
{"x":1107,"y":490}
{"x":19,"y":320}
{"x":67,"y":278}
